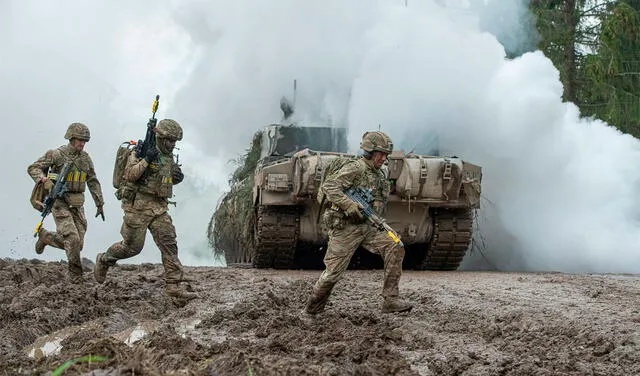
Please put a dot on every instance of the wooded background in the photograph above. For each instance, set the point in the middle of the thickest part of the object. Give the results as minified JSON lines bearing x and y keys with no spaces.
{"x":595,"y":44}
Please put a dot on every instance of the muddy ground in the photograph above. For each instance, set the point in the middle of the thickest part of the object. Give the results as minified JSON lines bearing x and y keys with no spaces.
{"x":248,"y":322}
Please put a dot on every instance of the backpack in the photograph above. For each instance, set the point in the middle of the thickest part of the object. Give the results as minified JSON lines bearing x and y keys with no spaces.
{"x":332,"y":167}
{"x":122,"y":156}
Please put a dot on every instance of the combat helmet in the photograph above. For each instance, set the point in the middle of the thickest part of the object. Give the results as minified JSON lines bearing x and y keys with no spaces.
{"x":169,"y":128}
{"x":376,"y":141}
{"x":79,"y":131}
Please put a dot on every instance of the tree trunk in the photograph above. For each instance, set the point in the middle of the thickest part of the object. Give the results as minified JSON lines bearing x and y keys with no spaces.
{"x":571,"y":21}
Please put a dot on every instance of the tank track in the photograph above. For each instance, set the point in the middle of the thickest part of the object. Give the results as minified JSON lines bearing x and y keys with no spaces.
{"x":452,"y":233}
{"x":276,"y":236}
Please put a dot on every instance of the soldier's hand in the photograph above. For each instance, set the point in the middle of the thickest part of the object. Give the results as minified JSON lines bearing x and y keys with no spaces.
{"x":48,"y":184}
{"x":100,"y":212}
{"x":176,"y":174}
{"x":152,"y":155}
{"x":354,"y":210}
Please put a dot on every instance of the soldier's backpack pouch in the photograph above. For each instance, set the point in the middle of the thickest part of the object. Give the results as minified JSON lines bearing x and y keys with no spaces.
{"x":38,"y":195}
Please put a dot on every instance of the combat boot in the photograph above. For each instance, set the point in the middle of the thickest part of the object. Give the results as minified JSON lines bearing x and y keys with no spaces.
{"x":395,"y":305}
{"x":317,"y":301}
{"x":175,"y":291}
{"x":100,"y":269}
{"x":40,"y":244}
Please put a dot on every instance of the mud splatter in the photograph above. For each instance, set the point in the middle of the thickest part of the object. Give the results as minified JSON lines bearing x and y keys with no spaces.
{"x":250,"y":322}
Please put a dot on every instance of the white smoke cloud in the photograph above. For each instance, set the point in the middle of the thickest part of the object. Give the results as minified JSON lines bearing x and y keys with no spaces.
{"x":561,"y":191}
{"x":98,"y":63}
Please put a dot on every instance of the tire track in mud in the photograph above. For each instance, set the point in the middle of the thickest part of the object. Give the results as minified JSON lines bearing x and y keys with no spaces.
{"x":467,"y":323}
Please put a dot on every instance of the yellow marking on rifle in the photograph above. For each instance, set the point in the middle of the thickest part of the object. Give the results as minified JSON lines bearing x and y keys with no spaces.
{"x":394,"y":237}
{"x":38,"y":227}
{"x":154,"y":108}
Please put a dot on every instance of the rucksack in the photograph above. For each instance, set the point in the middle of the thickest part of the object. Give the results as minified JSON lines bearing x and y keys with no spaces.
{"x":331,"y":169}
{"x":122,"y":156}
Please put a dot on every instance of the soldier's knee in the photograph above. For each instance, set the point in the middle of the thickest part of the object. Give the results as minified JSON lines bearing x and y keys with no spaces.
{"x":133,"y":245}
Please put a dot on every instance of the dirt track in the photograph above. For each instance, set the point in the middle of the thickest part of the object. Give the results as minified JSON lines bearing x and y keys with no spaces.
{"x":248,"y":322}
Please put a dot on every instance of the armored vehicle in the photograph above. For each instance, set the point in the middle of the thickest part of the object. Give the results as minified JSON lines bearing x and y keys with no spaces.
{"x":270,"y":218}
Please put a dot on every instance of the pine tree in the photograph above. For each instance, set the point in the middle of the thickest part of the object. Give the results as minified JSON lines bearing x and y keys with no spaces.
{"x":613,"y":71}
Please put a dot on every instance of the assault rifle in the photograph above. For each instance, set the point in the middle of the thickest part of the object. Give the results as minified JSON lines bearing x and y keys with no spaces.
{"x":150,"y":138}
{"x":58,"y":191}
{"x":364,"y":197}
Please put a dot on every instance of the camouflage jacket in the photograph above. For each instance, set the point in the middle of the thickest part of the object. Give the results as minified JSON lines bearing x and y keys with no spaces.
{"x":359,"y":173}
{"x":153,"y":192}
{"x":82,"y":173}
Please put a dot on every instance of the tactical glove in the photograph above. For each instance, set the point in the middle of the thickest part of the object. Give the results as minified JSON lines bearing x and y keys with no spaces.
{"x":48,"y":185}
{"x":176,"y":174}
{"x":354,"y":210}
{"x":152,"y":155}
{"x":100,"y":212}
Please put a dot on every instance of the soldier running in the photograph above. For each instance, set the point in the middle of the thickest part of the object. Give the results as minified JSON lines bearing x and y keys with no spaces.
{"x":71,"y":223}
{"x":145,"y":202}
{"x":348,"y":228}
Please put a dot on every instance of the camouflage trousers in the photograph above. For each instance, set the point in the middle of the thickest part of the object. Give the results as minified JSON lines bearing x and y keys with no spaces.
{"x":134,"y":230}
{"x":71,"y":226}
{"x":342,"y":245}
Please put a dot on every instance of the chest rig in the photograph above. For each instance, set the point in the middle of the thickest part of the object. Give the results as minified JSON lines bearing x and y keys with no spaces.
{"x":159,"y":181}
{"x":77,"y":177}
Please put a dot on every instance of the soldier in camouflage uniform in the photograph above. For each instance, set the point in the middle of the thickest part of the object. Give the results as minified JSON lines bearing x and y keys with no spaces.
{"x":149,"y":185}
{"x":71,"y":224}
{"x":348,"y":228}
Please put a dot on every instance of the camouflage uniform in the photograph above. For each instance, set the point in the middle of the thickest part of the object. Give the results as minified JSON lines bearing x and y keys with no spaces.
{"x":145,"y":204}
{"x":71,"y":223}
{"x":347,"y":232}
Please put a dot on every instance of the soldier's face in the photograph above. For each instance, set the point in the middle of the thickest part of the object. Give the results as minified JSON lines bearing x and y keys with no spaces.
{"x":77,"y":144}
{"x":168,"y":144}
{"x":379,"y":158}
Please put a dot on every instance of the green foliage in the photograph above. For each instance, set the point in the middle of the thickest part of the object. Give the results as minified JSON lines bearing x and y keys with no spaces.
{"x":594,"y":44}
{"x":89,"y":358}
{"x":248,"y":162}
{"x":635,"y":4}
{"x":226,"y":231}
{"x":613,"y":72}
{"x":564,"y":38}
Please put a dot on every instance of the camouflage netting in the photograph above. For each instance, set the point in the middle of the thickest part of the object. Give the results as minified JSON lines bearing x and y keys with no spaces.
{"x":236,"y":208}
